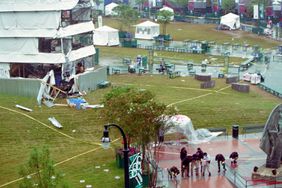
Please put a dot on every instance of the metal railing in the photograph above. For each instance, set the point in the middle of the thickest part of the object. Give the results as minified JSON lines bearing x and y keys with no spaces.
{"x":243,"y":182}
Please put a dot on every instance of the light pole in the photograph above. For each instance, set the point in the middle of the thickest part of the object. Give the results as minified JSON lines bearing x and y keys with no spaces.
{"x":106,"y":143}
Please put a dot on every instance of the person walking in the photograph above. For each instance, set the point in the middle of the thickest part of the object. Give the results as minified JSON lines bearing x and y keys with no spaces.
{"x":206,"y":164}
{"x":220,"y":160}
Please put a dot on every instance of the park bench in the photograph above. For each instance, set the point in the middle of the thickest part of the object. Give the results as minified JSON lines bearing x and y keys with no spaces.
{"x":252,"y":128}
{"x":104,"y":84}
{"x":219,"y":129}
{"x":115,"y":71}
{"x":173,"y":74}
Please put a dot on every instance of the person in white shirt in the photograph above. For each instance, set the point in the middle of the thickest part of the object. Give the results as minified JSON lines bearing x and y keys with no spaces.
{"x":206,"y":164}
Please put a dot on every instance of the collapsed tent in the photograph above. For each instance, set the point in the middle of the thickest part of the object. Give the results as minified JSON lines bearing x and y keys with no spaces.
{"x":106,"y":36}
{"x":168,"y":9}
{"x":230,"y":20}
{"x":147,"y":30}
{"x":183,"y":124}
{"x":109,"y":9}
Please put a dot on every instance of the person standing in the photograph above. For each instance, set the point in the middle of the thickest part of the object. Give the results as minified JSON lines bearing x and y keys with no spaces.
{"x":183,"y":155}
{"x":206,"y":164}
{"x":200,"y":154}
{"x":220,"y":159}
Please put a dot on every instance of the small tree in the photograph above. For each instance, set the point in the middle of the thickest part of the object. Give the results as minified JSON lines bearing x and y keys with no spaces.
{"x":228,"y":5}
{"x":164,"y":18}
{"x":137,"y":112}
{"x":126,"y":15}
{"x":40,"y":171}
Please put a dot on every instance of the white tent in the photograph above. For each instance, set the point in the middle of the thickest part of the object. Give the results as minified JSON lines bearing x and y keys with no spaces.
{"x":109,"y":9}
{"x":106,"y":36}
{"x":168,"y":9}
{"x":147,"y":30}
{"x":231,"y":20}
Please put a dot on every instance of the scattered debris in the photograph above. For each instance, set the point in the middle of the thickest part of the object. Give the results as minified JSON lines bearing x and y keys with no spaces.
{"x":88,"y":186}
{"x":117,"y":177}
{"x":82,"y":181}
{"x":24,"y":108}
{"x":76,"y":102}
{"x":106,"y":170}
{"x":55,"y":122}
{"x":48,"y":103}
{"x":73,"y":130}
{"x":97,"y":167}
{"x":86,"y":106}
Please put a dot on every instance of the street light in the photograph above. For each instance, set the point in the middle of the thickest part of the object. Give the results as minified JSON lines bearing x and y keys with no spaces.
{"x":106,"y":144}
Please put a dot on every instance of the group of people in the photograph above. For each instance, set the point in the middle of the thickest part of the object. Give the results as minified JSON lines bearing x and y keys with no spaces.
{"x":199,"y":162}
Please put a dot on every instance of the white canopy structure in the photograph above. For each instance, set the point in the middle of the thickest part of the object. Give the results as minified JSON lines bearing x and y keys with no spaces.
{"x":106,"y":36}
{"x":147,"y":30}
{"x":168,"y":9}
{"x":109,"y":9}
{"x":231,"y":20}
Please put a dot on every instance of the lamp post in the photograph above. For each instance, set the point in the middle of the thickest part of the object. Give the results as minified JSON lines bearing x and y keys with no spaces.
{"x":106,"y":143}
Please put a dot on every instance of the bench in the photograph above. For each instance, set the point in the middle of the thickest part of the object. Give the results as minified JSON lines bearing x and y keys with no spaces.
{"x":219,"y":129}
{"x":252,"y":128}
{"x":115,"y":71}
{"x":173,"y":74}
{"x":104,"y":84}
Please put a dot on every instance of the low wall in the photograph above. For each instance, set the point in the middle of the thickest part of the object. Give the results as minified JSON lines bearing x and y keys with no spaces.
{"x":87,"y":81}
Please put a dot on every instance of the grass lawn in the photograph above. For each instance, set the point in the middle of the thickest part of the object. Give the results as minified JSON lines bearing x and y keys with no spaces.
{"x":181,"y":31}
{"x":207,"y":108}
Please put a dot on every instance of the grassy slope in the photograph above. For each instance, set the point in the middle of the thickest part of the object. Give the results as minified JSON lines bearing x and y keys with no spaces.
{"x":181,"y":31}
{"x":19,"y":134}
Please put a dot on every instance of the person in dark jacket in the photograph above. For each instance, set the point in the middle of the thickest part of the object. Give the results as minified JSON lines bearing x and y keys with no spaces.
{"x":234,"y":156}
{"x":186,"y":165}
{"x":220,"y":159}
{"x":183,"y":154}
{"x":200,"y":154}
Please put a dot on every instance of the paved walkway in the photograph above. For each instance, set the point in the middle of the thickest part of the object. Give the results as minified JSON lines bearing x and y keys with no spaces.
{"x":250,"y":155}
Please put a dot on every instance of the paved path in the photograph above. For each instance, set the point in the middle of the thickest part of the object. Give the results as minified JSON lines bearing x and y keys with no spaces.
{"x":250,"y":155}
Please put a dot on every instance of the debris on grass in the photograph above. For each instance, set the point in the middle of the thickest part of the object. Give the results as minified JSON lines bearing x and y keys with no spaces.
{"x":24,"y":108}
{"x":55,"y":122}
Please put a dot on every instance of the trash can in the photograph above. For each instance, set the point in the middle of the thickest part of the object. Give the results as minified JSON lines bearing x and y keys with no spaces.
{"x":235,"y":131}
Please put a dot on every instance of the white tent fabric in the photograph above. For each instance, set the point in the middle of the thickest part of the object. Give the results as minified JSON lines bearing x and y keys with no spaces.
{"x":19,"y":45}
{"x":231,"y":20}
{"x":109,"y":9}
{"x":36,"y":5}
{"x":106,"y":36}
{"x":168,"y":9}
{"x":4,"y":70}
{"x":81,"y":53}
{"x":75,"y":29}
{"x":30,"y":20}
{"x":47,"y":58}
{"x":147,"y":30}
{"x":50,"y":33}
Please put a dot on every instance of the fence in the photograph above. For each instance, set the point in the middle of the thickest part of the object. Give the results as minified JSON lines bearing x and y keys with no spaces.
{"x":242,"y":182}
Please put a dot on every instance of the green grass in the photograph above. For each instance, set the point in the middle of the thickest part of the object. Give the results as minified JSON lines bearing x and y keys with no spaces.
{"x":181,"y":31}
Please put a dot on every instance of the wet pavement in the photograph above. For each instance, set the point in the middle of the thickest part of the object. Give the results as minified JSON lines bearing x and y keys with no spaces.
{"x":250,"y":155}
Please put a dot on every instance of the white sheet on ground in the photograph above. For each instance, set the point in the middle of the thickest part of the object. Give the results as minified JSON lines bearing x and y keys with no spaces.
{"x":183,"y":124}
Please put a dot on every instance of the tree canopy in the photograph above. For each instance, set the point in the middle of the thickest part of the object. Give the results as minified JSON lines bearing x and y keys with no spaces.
{"x":228,"y":5}
{"x":136,"y":111}
{"x":126,"y":16}
{"x":164,"y":18}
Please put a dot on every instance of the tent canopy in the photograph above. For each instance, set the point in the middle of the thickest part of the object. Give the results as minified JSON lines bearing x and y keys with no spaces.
{"x":109,"y":9}
{"x":231,"y":20}
{"x":147,"y":30}
{"x":106,"y":36}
